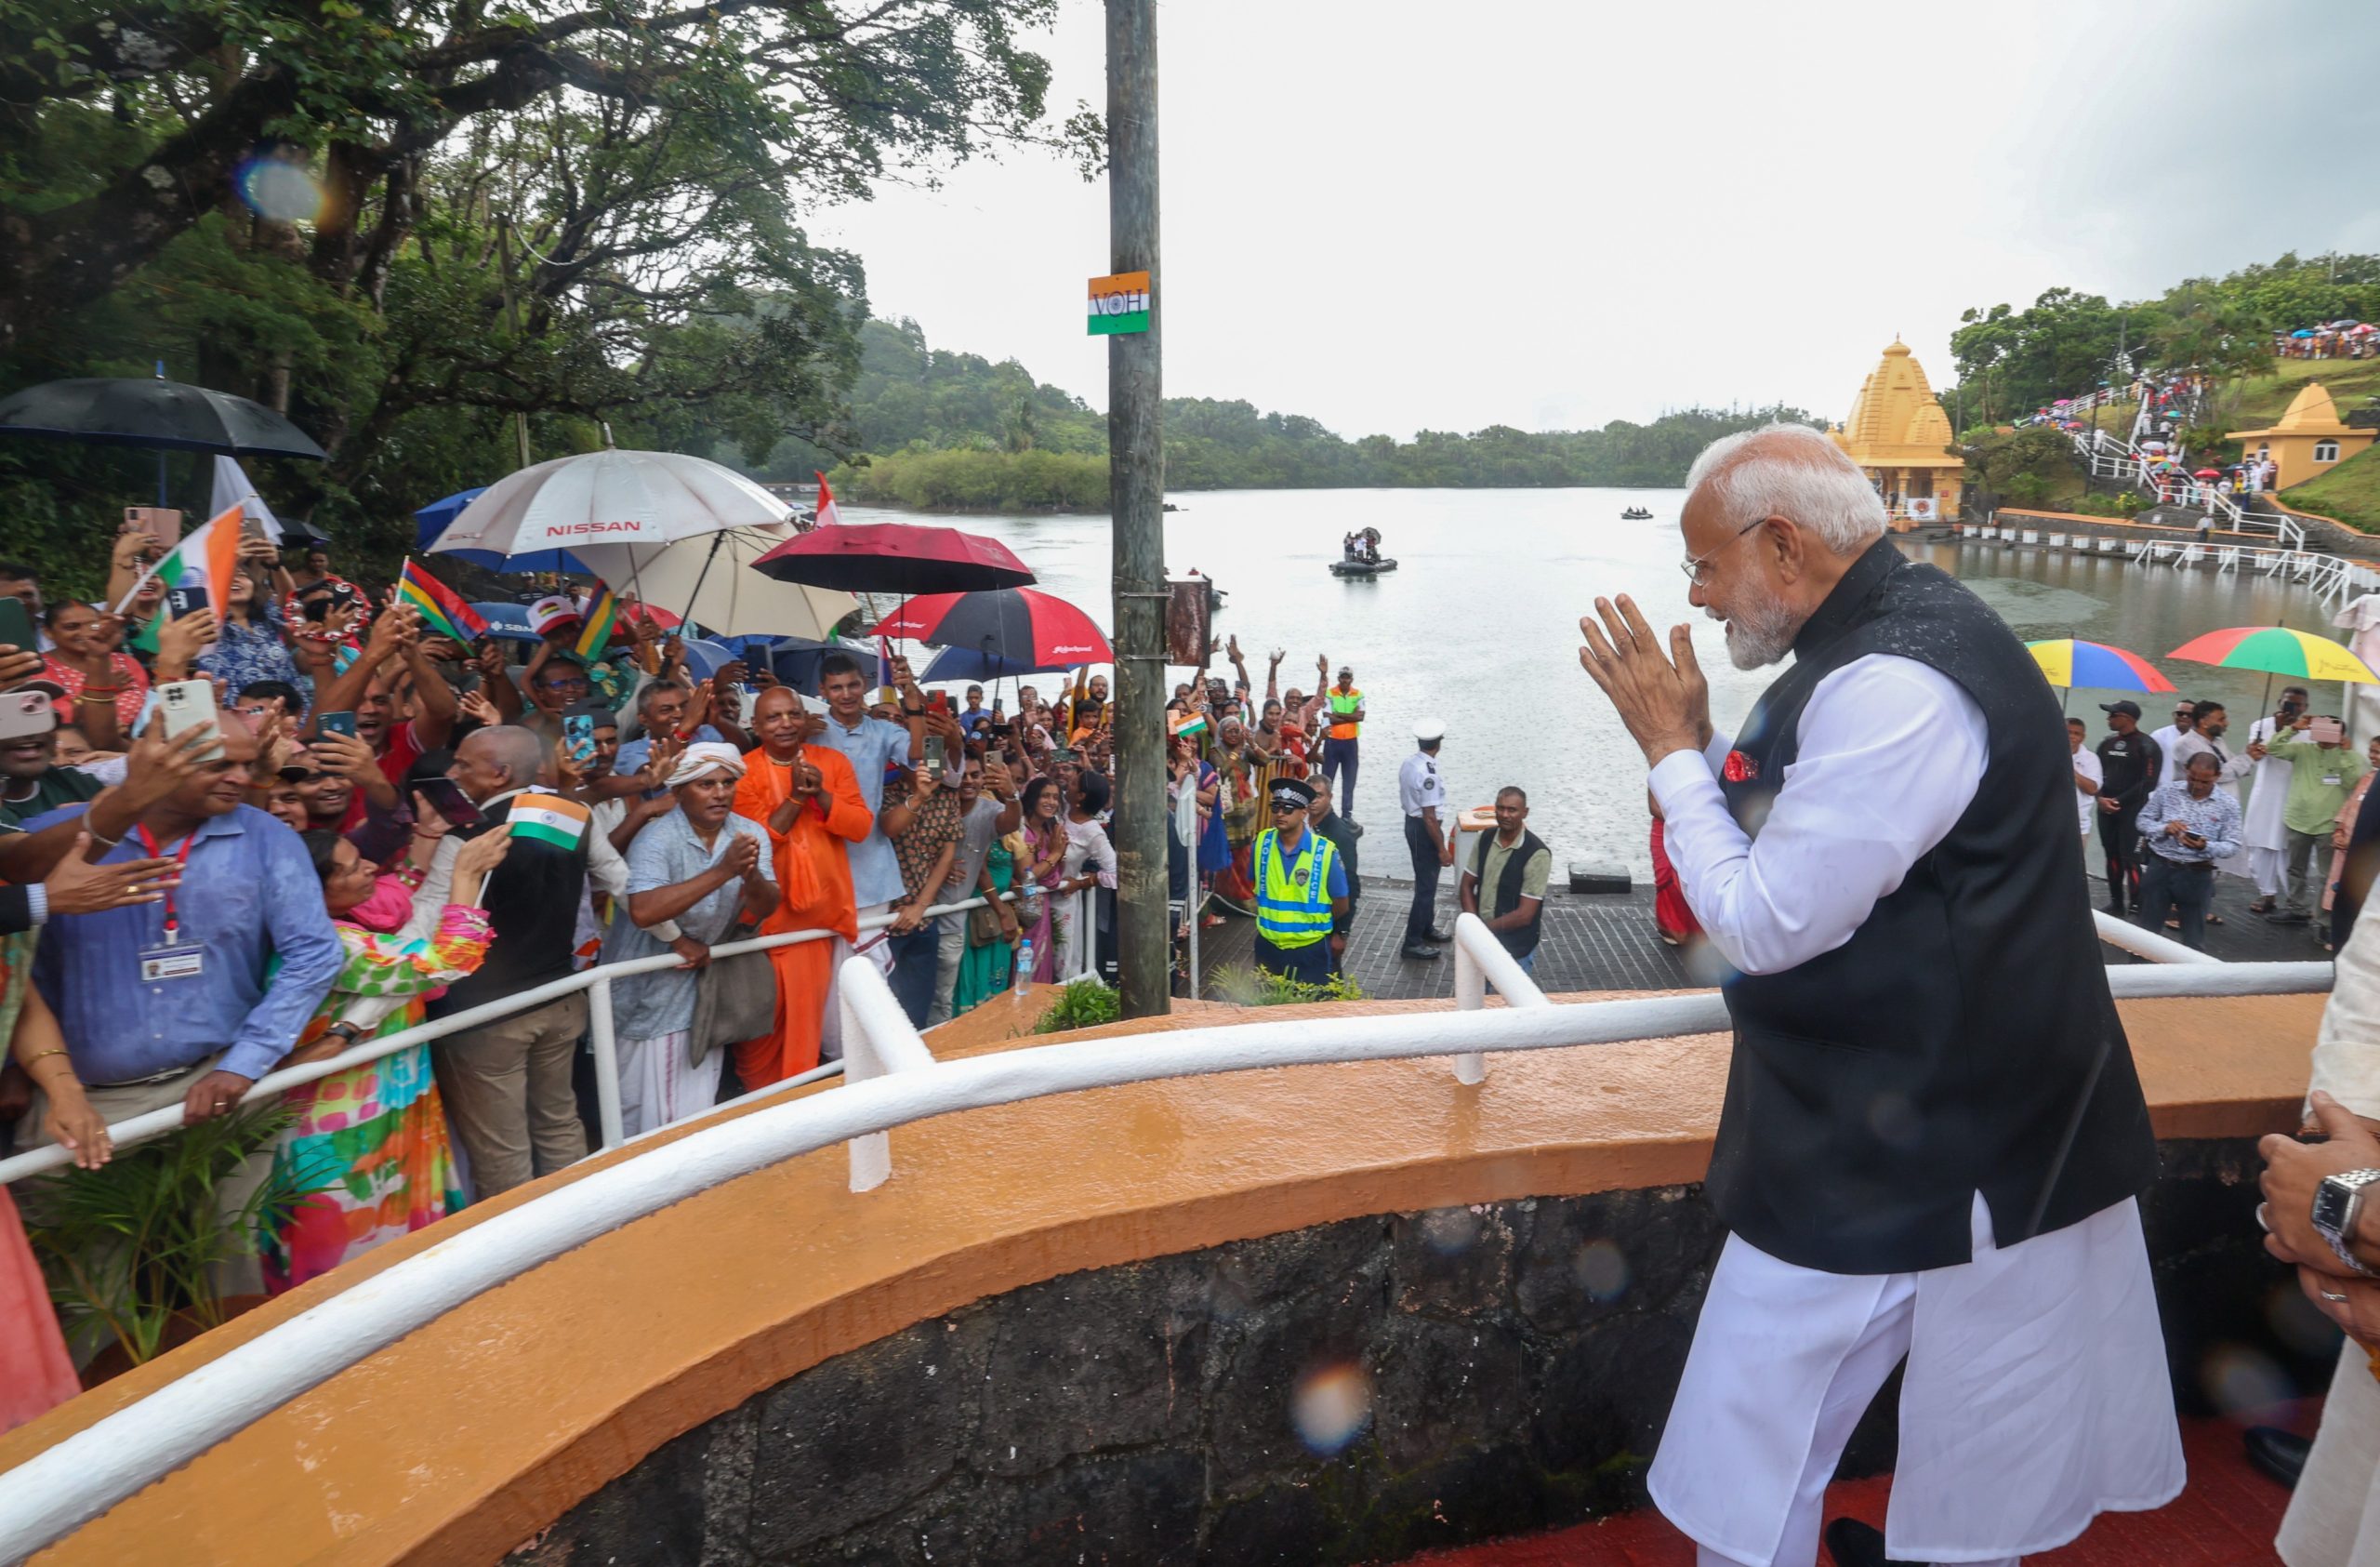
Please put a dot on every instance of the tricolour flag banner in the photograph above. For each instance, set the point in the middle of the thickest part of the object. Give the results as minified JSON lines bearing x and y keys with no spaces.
{"x":205,"y":558}
{"x":829,"y":514}
{"x":1120,"y":303}
{"x":441,"y":609}
{"x":549,"y":818}
{"x":595,"y":622}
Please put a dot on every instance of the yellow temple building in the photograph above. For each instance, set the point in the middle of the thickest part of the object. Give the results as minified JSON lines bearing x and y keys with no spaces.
{"x":1900,"y":436}
{"x":2310,"y":439}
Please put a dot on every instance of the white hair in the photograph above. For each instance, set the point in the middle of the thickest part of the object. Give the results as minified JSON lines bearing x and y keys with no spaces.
{"x":1793,"y":472}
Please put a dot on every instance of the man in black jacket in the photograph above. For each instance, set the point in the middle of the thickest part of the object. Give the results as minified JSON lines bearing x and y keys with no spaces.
{"x":1504,"y":883}
{"x":2130,"y":765}
{"x":1933,"y":1136}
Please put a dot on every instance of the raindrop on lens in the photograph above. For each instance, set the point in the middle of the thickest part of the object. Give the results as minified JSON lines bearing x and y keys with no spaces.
{"x":1331,"y":1406}
{"x":2237,"y":1379}
{"x":1450,"y":1230}
{"x":280,"y":189}
{"x":1601,"y":1269}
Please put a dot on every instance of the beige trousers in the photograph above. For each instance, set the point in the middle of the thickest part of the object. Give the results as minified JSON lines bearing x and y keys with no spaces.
{"x":2334,"y":1517}
{"x":507,"y":1094}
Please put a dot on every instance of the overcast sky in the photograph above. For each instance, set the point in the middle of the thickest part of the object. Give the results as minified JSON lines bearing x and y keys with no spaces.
{"x":1394,"y":215}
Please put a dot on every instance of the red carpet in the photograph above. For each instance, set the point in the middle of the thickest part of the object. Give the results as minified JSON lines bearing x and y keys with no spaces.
{"x":2224,"y":1518}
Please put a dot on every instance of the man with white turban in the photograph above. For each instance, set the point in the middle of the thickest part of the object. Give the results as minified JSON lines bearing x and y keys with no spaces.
{"x":705,"y":867}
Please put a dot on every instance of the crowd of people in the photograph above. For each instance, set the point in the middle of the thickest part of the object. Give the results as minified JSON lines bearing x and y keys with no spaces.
{"x":273,"y":830}
{"x":277,"y":829}
{"x":2170,"y":812}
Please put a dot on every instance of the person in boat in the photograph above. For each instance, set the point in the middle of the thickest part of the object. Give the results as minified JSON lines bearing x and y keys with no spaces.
{"x":1931,"y":1119}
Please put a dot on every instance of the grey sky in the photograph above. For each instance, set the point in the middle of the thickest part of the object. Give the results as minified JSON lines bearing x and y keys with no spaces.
{"x":1393,"y":216}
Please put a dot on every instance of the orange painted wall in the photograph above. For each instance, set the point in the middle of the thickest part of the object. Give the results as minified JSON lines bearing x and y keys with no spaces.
{"x":464,"y":1438}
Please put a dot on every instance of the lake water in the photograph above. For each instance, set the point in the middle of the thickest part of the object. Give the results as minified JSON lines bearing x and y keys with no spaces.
{"x":1478,"y":626}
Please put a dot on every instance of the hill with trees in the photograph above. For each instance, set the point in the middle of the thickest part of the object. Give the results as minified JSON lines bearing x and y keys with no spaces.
{"x":935,"y":430}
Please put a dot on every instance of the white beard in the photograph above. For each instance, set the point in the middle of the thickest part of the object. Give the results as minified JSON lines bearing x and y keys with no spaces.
{"x":1758,"y":635}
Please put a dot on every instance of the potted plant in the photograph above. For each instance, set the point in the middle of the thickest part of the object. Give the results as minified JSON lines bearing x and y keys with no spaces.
{"x":131,"y":1249}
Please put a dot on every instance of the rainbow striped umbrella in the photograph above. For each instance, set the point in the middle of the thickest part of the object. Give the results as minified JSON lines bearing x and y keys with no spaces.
{"x":2276,"y":650}
{"x":2095,"y":666}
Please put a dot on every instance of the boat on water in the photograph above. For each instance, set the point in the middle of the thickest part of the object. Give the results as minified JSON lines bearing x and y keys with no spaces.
{"x":1635,"y":514}
{"x":1360,"y":556}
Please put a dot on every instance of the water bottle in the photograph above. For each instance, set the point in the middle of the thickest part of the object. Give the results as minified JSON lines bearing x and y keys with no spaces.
{"x":1024,"y":986}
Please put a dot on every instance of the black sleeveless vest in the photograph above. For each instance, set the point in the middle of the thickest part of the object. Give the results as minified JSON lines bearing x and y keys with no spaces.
{"x":532,"y":902}
{"x":1963,"y":1038}
{"x":1506,"y":896}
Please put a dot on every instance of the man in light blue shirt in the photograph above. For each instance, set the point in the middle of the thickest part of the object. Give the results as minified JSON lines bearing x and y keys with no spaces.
{"x":871,"y":746}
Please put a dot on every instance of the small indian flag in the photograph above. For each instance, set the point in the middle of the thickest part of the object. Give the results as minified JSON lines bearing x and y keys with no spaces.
{"x":828,"y":515}
{"x":205,"y":558}
{"x":550,"y":818}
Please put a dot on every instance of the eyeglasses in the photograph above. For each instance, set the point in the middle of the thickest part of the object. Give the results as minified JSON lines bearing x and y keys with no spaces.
{"x":1693,"y":568}
{"x":1280,"y":809}
{"x":576,"y":682}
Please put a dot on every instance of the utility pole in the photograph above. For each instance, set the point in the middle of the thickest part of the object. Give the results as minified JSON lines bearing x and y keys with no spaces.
{"x":1136,"y":499}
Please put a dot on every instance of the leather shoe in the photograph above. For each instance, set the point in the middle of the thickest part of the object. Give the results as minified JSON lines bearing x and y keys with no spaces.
{"x":1415,"y":950}
{"x":1855,"y":1544}
{"x":2278,"y":1452}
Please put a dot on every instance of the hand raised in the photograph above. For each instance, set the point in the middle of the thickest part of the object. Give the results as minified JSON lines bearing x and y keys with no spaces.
{"x":77,"y":886}
{"x":1665,"y":706}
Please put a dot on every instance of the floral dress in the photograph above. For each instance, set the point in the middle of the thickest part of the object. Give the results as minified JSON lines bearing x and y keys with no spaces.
{"x":374,"y":1137}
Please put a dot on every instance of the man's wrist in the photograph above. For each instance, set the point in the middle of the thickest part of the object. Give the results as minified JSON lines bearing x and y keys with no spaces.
{"x":1660,"y":747}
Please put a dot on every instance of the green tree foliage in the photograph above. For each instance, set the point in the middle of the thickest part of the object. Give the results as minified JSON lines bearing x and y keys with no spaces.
{"x":403,"y":225}
{"x":2011,"y":362}
{"x":953,"y":432}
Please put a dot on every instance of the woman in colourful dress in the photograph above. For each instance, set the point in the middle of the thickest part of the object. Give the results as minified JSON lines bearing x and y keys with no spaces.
{"x":1044,"y":856}
{"x":986,"y":971}
{"x":372,"y":1139}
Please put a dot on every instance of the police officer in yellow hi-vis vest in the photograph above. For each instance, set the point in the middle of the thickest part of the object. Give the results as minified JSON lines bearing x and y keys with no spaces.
{"x":1301,"y":891}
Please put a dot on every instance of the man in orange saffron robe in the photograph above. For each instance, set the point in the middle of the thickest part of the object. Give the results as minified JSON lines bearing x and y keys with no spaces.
{"x":809,"y":803}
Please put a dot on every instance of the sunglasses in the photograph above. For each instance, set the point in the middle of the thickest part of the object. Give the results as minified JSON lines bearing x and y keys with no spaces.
{"x":1280,"y":809}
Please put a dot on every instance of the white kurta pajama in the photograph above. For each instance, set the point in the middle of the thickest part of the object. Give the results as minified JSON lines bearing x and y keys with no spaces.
{"x":2261,"y":828}
{"x":2037,"y":1394}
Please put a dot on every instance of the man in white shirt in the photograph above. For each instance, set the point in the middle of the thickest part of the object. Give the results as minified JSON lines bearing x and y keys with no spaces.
{"x":2088,"y":774}
{"x":2209,"y":724}
{"x":2183,"y":710}
{"x":1931,"y":1111}
{"x":2264,"y":833}
{"x":1422,"y":795}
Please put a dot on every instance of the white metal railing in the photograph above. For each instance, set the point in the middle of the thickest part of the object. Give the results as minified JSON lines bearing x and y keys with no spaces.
{"x":891,"y":1081}
{"x":1479,"y":958}
{"x":596,"y":981}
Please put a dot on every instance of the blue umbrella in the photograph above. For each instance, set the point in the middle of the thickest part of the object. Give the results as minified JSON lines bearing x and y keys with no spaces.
{"x":508,"y":620}
{"x":793,"y":660}
{"x":706,"y":658}
{"x":438,"y":515}
{"x":2303,"y":332}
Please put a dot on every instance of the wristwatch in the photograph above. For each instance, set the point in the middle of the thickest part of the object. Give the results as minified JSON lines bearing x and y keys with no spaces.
{"x":2338,"y":1202}
{"x":347,"y":1033}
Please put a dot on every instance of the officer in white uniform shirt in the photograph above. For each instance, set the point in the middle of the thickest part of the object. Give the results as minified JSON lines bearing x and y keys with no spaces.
{"x":1422,"y":794}
{"x":1933,"y":1136}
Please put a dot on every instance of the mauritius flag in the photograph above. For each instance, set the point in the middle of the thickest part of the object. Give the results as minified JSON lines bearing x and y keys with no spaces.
{"x":595,"y":622}
{"x":205,"y":558}
{"x":442,"y":611}
{"x":550,"y":818}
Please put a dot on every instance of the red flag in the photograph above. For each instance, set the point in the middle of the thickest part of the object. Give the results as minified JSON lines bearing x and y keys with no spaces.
{"x":827,"y":512}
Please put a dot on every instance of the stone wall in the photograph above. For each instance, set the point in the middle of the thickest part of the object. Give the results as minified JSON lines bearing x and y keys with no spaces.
{"x":1357,"y":1391}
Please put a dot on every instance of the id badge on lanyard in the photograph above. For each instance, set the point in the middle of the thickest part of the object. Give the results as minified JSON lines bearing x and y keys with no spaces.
{"x":171,"y":958}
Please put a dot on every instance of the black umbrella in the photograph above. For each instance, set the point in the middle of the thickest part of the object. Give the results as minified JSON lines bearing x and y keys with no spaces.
{"x":150,"y":411}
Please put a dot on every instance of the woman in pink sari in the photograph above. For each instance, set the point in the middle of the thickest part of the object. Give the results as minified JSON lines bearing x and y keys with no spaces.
{"x":36,"y":1374}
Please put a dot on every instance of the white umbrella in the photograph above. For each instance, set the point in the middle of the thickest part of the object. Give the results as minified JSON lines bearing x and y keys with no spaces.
{"x":609,"y":498}
{"x":732,"y":600}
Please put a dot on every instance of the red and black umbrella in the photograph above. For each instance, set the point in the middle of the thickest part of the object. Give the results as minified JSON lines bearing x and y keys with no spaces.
{"x":903,"y":557}
{"x":1012,"y":630}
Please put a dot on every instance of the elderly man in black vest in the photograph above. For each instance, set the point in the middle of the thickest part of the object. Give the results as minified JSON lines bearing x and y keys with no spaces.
{"x":1933,"y":1136}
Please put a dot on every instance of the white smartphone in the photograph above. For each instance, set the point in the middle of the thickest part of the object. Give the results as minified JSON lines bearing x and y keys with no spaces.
{"x":187,"y":705}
